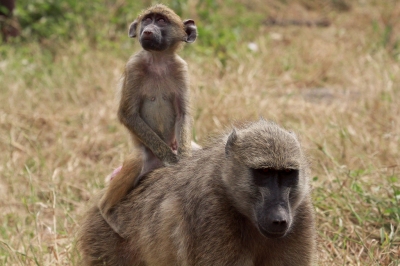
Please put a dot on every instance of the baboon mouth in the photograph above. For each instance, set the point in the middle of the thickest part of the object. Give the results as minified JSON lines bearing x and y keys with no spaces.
{"x":149,"y":44}
{"x":147,"y":37}
{"x":269,"y":234}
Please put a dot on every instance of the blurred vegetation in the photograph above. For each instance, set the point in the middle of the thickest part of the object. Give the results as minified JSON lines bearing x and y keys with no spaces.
{"x":105,"y":22}
{"x":103,"y":25}
{"x":72,"y":19}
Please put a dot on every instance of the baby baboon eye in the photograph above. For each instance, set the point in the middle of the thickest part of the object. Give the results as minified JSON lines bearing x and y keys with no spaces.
{"x":161,"y":21}
{"x":147,"y":20}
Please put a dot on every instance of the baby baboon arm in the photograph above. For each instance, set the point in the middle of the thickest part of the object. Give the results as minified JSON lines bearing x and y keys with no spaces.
{"x":119,"y":187}
{"x":184,"y":137}
{"x":151,"y":140}
{"x":129,"y":116}
{"x":182,"y":127}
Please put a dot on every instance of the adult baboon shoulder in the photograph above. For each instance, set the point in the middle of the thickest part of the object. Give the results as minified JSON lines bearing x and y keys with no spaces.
{"x":243,"y":200}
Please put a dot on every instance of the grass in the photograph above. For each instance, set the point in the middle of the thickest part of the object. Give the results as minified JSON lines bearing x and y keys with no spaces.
{"x":337,"y":87}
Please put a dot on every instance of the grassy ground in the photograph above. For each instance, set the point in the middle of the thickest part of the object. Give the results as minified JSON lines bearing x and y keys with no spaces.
{"x":337,"y":87}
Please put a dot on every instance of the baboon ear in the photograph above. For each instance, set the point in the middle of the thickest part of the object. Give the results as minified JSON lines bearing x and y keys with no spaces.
{"x":191,"y":30}
{"x":230,"y":142}
{"x":132,"y":29}
{"x":293,"y":134}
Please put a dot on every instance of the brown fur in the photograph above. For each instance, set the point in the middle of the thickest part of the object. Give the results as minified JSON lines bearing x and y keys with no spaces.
{"x":121,"y":183}
{"x":154,"y":104}
{"x":205,"y":209}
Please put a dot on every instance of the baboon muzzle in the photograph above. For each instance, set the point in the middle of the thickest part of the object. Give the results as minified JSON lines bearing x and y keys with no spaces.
{"x":275,"y":221}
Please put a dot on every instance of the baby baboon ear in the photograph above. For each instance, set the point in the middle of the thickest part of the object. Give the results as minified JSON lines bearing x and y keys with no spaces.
{"x":132,"y":29}
{"x":230,"y":142}
{"x":191,"y":30}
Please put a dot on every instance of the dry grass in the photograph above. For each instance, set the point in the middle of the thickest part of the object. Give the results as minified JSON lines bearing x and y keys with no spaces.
{"x":338,"y":87}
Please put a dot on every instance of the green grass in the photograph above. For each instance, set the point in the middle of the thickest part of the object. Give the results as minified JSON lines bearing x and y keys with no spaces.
{"x":337,"y":87}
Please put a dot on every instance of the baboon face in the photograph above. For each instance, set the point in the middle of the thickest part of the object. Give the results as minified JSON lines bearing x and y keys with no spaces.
{"x":268,"y":178}
{"x":160,"y":28}
{"x":154,"y":32}
{"x":272,"y":209}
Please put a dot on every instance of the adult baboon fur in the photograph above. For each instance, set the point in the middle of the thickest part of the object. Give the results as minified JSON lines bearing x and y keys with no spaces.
{"x":154,"y":104}
{"x":243,"y":200}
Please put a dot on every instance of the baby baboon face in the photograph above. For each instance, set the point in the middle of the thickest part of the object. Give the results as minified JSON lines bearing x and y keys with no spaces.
{"x":268,"y":176}
{"x":160,"y":29}
{"x":154,"y":31}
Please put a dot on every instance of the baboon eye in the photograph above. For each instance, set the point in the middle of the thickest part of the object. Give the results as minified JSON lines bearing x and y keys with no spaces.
{"x":264,"y":171}
{"x":162,"y":21}
{"x":147,"y":19}
{"x":288,"y":171}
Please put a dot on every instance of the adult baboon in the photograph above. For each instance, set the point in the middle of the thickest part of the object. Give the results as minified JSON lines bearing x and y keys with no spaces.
{"x":243,"y":200}
{"x":154,"y":103}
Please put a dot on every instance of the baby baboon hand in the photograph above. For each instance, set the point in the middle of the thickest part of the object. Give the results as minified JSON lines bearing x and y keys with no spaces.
{"x":171,"y":158}
{"x":174,"y":147}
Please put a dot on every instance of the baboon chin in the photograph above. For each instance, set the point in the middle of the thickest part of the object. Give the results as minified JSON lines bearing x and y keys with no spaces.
{"x":242,"y":200}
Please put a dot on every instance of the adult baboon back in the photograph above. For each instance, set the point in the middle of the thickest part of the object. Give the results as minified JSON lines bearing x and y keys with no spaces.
{"x":244,"y":200}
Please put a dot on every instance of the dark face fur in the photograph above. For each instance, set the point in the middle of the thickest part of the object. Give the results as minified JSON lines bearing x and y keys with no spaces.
{"x":272,"y":209}
{"x":154,"y":32}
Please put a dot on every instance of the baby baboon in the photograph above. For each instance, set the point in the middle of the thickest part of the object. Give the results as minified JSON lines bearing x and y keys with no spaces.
{"x":244,"y":200}
{"x":155,"y":87}
{"x":155,"y":95}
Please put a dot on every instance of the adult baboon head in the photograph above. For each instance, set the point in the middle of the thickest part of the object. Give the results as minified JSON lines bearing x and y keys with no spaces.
{"x":267,"y":178}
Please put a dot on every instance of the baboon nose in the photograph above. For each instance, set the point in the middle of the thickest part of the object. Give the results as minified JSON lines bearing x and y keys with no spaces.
{"x":279,"y":223}
{"x":146,"y":32}
{"x":278,"y":226}
{"x":278,"y":220}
